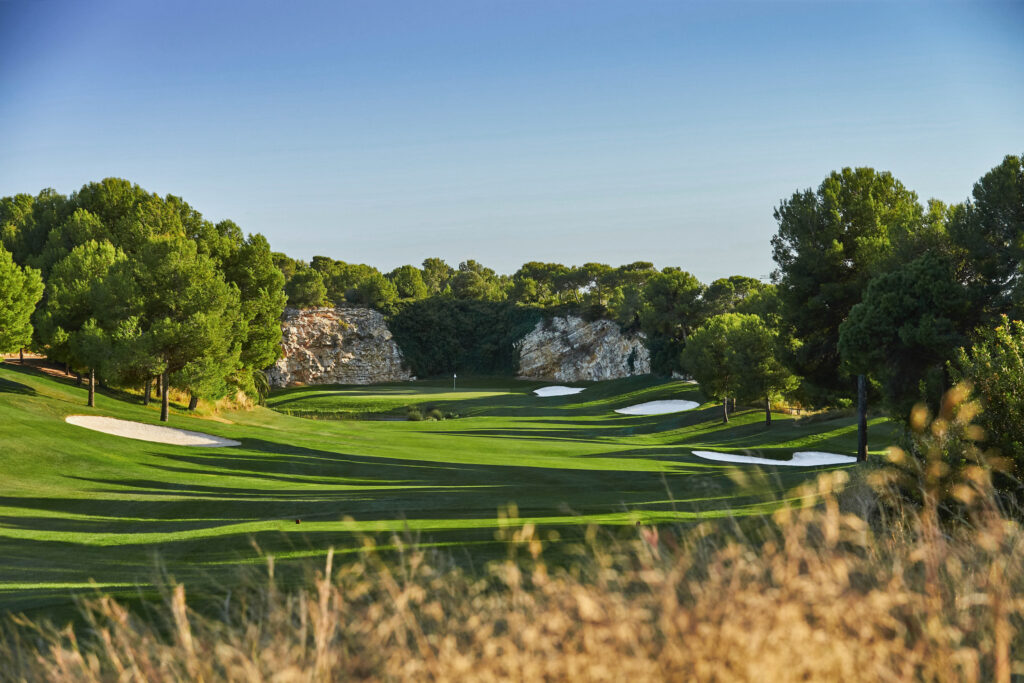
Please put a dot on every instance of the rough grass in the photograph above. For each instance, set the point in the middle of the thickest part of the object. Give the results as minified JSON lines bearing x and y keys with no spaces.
{"x":78,"y":507}
{"x":817,"y":593}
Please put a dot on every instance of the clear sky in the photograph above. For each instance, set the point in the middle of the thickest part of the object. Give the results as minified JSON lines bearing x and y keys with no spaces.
{"x":385,"y":132}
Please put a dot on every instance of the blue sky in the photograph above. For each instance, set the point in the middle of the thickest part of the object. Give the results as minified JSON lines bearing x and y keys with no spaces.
{"x":387,"y":132}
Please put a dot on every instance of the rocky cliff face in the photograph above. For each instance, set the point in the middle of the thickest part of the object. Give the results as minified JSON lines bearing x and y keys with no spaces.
{"x":570,"y":349}
{"x":345,"y":345}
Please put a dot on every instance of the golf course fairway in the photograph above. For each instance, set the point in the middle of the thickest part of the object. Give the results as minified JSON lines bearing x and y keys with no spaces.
{"x":81,"y":510}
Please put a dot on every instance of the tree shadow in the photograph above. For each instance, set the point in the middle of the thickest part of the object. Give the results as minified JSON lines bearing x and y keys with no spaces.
{"x":186,"y":509}
{"x":10,"y":387}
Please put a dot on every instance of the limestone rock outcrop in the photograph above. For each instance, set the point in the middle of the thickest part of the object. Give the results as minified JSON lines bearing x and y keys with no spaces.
{"x":344,"y":345}
{"x":569,"y":349}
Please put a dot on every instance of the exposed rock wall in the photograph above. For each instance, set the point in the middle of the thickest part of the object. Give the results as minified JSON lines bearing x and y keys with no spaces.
{"x":345,"y":345}
{"x":569,"y":349}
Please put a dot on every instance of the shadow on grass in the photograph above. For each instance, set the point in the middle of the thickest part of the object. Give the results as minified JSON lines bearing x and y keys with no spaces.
{"x":9,"y":387}
{"x":275,"y":482}
{"x":33,"y":368}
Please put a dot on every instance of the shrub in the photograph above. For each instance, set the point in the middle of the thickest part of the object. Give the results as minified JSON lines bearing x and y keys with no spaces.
{"x":994,"y":367}
{"x":441,"y":335}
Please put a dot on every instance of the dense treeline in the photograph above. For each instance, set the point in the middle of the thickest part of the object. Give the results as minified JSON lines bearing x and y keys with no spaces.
{"x":667,"y":304}
{"x":869,"y":282}
{"x":873,"y":282}
{"x":445,"y":335}
{"x":138,"y":287}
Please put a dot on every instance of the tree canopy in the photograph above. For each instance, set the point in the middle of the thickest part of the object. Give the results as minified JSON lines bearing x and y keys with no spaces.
{"x":906,"y":328}
{"x":994,"y":367}
{"x":138,"y":284}
{"x":20,"y":291}
{"x":830,"y":243}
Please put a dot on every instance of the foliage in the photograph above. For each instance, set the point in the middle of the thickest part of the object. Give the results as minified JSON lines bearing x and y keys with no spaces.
{"x":738,"y":355}
{"x":306,"y":289}
{"x":261,"y":294}
{"x":409,"y":282}
{"x":830,"y":243}
{"x":68,"y":322}
{"x":441,"y":335}
{"x":994,"y":368}
{"x":436,"y":275}
{"x":765,"y":303}
{"x":708,"y":357}
{"x":26,"y":223}
{"x":343,"y":280}
{"x":285,"y":263}
{"x":906,"y":328}
{"x":672,"y":309}
{"x":544,"y":284}
{"x":80,"y":228}
{"x":20,"y":290}
{"x":757,"y":356}
{"x":990,"y":230}
{"x":475,"y":281}
{"x":725,"y":295}
{"x":190,"y":320}
{"x":15,"y":219}
{"x":375,"y":291}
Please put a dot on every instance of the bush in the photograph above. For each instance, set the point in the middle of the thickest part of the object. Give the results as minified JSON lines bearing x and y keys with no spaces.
{"x":441,"y":335}
{"x":414,"y":414}
{"x":994,"y":367}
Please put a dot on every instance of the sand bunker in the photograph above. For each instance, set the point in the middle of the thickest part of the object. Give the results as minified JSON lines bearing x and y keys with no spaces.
{"x":658,"y":407}
{"x":557,"y":391}
{"x":145,"y":432}
{"x":799,"y":459}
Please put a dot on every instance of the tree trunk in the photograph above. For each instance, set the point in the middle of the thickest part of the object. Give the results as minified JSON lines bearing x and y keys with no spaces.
{"x":734,"y":405}
{"x":163,"y":398}
{"x":767,"y":412}
{"x":92,"y":388}
{"x":159,"y":385}
{"x":147,"y":389}
{"x":67,"y":370}
{"x":21,"y":356}
{"x":78,"y":379}
{"x":193,"y":401}
{"x":862,"y":418}
{"x":725,"y":410}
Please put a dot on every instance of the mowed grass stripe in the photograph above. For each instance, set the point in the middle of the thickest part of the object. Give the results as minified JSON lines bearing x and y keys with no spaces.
{"x":77,"y":505}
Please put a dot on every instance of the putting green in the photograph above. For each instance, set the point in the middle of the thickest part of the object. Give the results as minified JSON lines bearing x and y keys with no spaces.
{"x":79,"y":506}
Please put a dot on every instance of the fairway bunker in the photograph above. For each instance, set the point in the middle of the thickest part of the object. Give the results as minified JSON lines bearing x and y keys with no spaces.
{"x":658,"y":407}
{"x":145,"y":432}
{"x":557,"y":391}
{"x":799,"y":459}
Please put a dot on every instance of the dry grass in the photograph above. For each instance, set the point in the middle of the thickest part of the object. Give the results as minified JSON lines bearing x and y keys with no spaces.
{"x":818,"y":593}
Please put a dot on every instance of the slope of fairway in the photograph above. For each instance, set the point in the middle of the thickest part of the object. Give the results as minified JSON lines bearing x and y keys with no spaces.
{"x":77,"y":506}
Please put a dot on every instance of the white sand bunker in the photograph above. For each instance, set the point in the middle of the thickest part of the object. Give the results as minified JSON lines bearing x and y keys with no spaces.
{"x":557,"y":391}
{"x":799,"y":459}
{"x":145,"y":432}
{"x":658,"y":407}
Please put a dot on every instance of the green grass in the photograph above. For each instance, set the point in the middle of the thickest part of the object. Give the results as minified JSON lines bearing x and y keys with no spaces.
{"x":79,"y":506}
{"x":472,"y":396}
